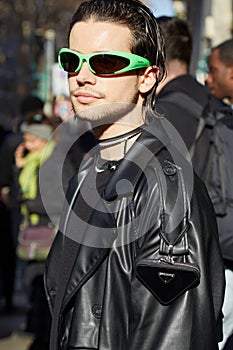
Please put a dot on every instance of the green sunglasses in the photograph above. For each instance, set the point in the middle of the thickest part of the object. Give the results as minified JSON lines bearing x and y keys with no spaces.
{"x":101,"y":63}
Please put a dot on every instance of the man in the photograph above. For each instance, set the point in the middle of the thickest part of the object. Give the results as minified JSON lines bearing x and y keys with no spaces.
{"x":220,"y":83}
{"x":131,"y":229}
{"x":220,"y":75}
{"x":183,"y":100}
{"x":180,"y":97}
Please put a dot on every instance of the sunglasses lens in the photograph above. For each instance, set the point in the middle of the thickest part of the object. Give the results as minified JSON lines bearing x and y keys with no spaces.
{"x":69,"y":61}
{"x":108,"y":64}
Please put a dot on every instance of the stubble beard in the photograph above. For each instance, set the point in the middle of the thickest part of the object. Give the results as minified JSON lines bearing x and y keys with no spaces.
{"x":108,"y":113}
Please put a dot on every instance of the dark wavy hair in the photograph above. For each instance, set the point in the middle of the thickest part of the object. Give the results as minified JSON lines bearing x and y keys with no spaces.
{"x":147,"y":39}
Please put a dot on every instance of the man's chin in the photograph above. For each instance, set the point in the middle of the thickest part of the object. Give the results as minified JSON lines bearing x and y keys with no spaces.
{"x":213,"y":92}
{"x":90,"y":115}
{"x":105,"y":114}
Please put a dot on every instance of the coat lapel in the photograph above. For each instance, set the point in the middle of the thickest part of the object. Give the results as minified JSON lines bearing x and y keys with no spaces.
{"x":95,"y":236}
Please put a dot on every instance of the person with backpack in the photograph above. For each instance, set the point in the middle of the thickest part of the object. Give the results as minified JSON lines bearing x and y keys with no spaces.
{"x":220,"y":83}
{"x":205,"y":124}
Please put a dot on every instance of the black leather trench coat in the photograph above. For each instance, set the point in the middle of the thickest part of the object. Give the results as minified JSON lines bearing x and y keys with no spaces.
{"x":96,"y":299}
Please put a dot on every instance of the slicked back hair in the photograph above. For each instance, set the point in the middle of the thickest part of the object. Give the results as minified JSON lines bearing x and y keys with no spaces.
{"x":147,"y":40}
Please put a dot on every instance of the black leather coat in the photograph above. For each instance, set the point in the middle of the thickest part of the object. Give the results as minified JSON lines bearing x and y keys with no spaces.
{"x":96,"y":299}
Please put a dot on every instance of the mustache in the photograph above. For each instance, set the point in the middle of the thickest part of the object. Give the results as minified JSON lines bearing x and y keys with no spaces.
{"x":87,"y":90}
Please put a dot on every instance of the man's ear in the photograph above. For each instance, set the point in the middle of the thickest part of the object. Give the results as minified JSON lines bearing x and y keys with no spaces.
{"x":148,"y":79}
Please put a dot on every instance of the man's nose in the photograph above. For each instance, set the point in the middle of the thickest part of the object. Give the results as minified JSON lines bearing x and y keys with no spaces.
{"x":85,"y":75}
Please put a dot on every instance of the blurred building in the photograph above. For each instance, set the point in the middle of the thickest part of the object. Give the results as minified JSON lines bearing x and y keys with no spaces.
{"x":31,"y":32}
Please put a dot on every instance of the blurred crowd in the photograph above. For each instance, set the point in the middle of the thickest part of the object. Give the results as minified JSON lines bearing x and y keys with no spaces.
{"x":33,"y":153}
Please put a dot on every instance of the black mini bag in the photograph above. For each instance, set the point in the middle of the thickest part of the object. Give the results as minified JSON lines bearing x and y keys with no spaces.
{"x":166,"y":278}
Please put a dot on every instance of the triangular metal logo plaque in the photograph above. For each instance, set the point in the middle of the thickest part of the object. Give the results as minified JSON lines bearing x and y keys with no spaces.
{"x":166,"y":277}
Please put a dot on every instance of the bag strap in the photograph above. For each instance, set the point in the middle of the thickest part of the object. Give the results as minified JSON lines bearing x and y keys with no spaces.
{"x":211,"y":114}
{"x":176,"y":211}
{"x":217,"y":164}
{"x":187,"y":103}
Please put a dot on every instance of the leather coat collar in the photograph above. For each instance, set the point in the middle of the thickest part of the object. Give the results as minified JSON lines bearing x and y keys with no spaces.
{"x":150,"y":143}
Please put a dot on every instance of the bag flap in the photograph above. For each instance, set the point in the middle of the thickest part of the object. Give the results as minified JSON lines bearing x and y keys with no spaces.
{"x":167,"y":280}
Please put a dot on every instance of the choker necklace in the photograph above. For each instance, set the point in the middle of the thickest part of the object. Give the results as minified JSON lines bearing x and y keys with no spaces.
{"x":122,"y":137}
{"x":113,"y":141}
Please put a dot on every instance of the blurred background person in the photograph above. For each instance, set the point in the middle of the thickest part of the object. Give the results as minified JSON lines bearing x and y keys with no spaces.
{"x":48,"y":181}
{"x":180,"y":92}
{"x":37,"y":130}
{"x":220,"y":82}
{"x":10,"y":207}
{"x":29,"y":104}
{"x":220,"y":72}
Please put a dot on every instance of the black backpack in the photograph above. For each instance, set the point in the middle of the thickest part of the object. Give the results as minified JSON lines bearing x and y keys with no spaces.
{"x":218,"y":172}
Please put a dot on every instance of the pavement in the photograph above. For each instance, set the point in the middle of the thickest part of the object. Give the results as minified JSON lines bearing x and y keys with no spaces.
{"x":12,"y":323}
{"x":15,"y":342}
